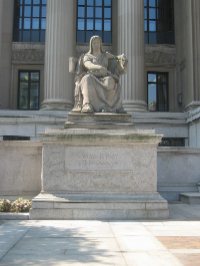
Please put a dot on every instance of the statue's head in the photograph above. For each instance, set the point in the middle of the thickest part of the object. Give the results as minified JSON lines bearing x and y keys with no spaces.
{"x":95,"y":43}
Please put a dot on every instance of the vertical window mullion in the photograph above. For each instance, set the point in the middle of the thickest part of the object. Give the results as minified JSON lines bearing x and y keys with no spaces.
{"x":167,"y":88}
{"x":157,"y":93}
{"x":22,"y":33}
{"x":18,"y":91}
{"x":103,"y":18}
{"x":40,"y":20}
{"x":94,"y":5}
{"x":148,"y":20}
{"x":85,"y":19}
{"x":29,"y":82}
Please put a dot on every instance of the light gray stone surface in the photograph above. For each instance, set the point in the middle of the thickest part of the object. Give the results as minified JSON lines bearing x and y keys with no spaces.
{"x":99,"y":120}
{"x":14,"y":216}
{"x":99,"y":174}
{"x":99,"y":169}
{"x":20,"y":164}
{"x":98,"y":206}
{"x":132,"y":41}
{"x":190,"y":198}
{"x":98,"y":243}
{"x":58,"y":48}
{"x":33,"y":123}
{"x":178,"y":171}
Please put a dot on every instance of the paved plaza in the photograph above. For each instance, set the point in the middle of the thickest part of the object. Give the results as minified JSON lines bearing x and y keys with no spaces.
{"x":172,"y":242}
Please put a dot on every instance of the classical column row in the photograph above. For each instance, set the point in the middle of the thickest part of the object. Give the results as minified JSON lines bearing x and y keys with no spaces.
{"x":59,"y":47}
{"x":131,"y":42}
{"x":60,"y":36}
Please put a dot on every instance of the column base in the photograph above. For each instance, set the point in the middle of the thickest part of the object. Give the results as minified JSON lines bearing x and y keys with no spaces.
{"x":192,"y":106}
{"x":56,"y":104}
{"x":135,"y":106}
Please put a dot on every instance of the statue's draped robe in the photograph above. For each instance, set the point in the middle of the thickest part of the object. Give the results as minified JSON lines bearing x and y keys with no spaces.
{"x":101,"y":92}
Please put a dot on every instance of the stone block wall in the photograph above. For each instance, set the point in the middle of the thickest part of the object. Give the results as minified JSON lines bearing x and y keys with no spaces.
{"x":21,"y":162}
{"x":178,"y":171}
{"x":20,"y":168}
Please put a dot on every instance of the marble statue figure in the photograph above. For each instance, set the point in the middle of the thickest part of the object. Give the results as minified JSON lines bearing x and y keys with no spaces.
{"x":97,"y":87}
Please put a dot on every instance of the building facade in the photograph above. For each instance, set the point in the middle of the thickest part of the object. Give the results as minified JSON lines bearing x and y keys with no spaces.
{"x":162,"y":86}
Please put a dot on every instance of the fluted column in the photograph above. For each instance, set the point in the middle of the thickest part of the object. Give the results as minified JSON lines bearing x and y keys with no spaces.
{"x":1,"y":24}
{"x":196,"y":49}
{"x":6,"y":33}
{"x":131,"y":42}
{"x":59,"y":47}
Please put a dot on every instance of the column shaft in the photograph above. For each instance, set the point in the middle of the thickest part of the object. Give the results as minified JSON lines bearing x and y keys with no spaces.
{"x":1,"y":22}
{"x":131,"y":42}
{"x":6,"y":33}
{"x":196,"y":48}
{"x":59,"y":47}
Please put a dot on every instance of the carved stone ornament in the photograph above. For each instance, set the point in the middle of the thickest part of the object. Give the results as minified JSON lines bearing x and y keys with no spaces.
{"x":28,"y":54}
{"x":160,"y":55}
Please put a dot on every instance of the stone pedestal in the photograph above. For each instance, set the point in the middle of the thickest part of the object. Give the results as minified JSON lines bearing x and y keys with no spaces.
{"x":99,"y":174}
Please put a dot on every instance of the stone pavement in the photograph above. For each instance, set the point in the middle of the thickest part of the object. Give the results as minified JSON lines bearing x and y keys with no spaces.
{"x":171,"y":242}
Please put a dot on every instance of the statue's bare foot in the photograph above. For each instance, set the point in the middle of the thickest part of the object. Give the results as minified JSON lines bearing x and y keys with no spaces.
{"x":77,"y":108}
{"x":87,"y":108}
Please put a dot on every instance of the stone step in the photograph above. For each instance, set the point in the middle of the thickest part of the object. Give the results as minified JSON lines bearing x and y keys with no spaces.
{"x":112,"y":207}
{"x":190,"y":198}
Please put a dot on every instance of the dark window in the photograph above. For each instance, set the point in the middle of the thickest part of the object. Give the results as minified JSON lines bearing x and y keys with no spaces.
{"x":28,"y":91}
{"x":94,"y":17}
{"x":29,"y":21}
{"x":176,"y":142}
{"x":159,"y":21}
{"x":13,"y":137}
{"x":157,"y":91}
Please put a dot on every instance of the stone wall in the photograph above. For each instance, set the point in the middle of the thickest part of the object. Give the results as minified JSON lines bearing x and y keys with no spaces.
{"x":178,"y":171}
{"x":20,"y":164}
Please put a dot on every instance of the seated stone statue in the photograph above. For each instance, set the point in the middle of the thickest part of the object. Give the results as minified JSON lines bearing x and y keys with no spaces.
{"x":97,"y":87}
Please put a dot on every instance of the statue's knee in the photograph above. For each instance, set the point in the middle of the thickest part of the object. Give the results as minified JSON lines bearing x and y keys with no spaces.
{"x":87,"y":78}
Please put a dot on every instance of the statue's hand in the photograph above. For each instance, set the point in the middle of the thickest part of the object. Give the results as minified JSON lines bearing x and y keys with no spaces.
{"x":103,"y":71}
{"x":123,"y":61}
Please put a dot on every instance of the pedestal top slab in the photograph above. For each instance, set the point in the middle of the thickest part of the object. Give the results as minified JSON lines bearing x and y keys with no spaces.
{"x":99,"y":120}
{"x":83,"y":136}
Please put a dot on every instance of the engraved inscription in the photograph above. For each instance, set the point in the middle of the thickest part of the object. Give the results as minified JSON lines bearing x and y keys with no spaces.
{"x":92,"y":159}
{"x":101,"y":159}
{"x":104,"y":169}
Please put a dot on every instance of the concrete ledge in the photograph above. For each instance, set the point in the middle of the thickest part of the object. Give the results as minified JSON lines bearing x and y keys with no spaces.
{"x":190,"y":198}
{"x":14,"y":216}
